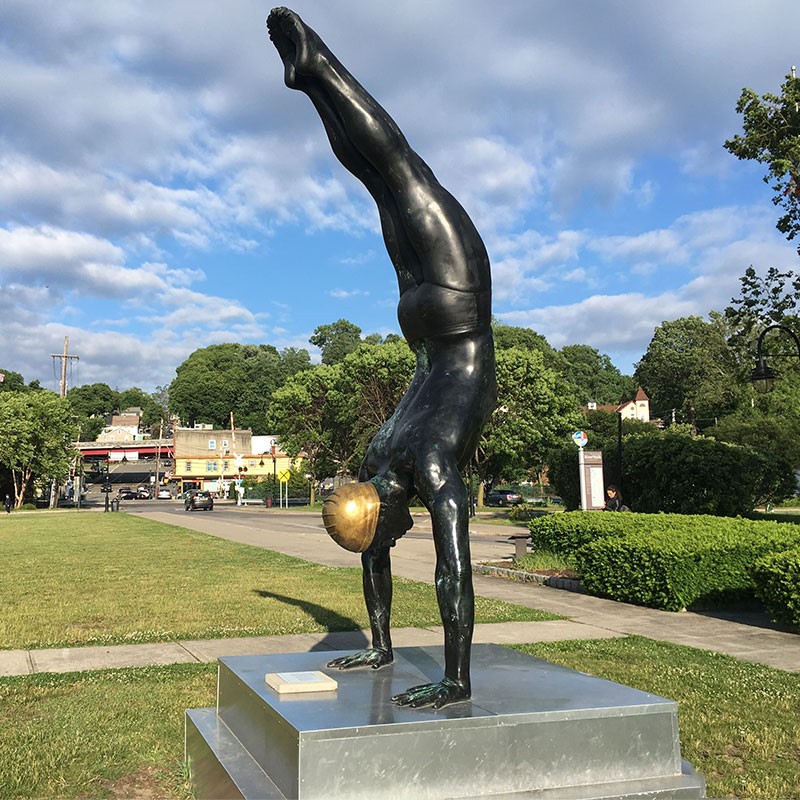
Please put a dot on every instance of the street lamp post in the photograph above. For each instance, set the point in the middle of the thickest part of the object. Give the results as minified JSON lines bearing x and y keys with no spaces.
{"x":763,"y":377}
{"x":274,"y":473}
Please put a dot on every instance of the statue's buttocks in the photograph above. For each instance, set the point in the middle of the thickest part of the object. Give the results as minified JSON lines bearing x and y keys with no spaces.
{"x":430,"y":310}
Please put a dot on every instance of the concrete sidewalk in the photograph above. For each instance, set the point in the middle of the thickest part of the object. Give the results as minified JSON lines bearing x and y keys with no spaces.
{"x":746,"y":636}
{"x":74,"y":659}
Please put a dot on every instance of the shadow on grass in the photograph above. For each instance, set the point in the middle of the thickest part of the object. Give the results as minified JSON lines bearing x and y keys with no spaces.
{"x":344,"y":632}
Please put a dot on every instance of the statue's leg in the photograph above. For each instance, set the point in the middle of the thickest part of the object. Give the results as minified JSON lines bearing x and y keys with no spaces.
{"x":427,"y":233}
{"x":442,"y":490}
{"x":377,"y":583}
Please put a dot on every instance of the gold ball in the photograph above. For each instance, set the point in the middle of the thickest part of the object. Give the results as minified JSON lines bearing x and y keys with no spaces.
{"x":350,"y":515}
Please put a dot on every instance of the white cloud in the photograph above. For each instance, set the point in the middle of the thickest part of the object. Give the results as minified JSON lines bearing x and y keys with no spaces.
{"x":712,"y":248}
{"x":664,"y":245}
{"x":146,"y":152}
{"x":344,"y":294}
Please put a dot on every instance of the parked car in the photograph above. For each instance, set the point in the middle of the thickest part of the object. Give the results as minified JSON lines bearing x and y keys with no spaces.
{"x":127,"y":494}
{"x":503,"y":497}
{"x":143,"y":494}
{"x":164,"y":494}
{"x":199,"y":499}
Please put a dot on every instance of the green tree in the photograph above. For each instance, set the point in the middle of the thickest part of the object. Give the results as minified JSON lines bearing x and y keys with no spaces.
{"x":535,"y":410}
{"x":336,"y":340}
{"x":603,"y":425}
{"x":38,"y":429}
{"x":240,"y":378}
{"x":689,"y":367}
{"x":93,"y":400}
{"x":594,"y":376}
{"x":764,"y":300}
{"x":589,"y":372}
{"x":300,"y":414}
{"x":771,"y":125}
{"x":294,"y":360}
{"x":12,"y":381}
{"x":773,"y":434}
{"x":674,"y":472}
{"x":508,"y":336}
{"x":156,"y":415}
{"x":372,"y":381}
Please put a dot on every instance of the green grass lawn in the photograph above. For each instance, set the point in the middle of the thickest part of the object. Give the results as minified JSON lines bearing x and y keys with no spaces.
{"x":541,"y":559}
{"x":99,"y":734}
{"x":110,"y":733}
{"x":739,"y":722}
{"x":99,"y":579}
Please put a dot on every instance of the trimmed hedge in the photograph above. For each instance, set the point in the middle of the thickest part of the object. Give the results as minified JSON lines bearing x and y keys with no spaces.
{"x":667,"y":561}
{"x":777,"y":579}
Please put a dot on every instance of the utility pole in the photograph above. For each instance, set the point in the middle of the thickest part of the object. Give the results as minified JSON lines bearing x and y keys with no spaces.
{"x":158,"y":457}
{"x":65,"y":356}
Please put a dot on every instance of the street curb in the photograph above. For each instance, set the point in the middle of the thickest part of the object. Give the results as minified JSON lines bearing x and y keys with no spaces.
{"x":568,"y":584}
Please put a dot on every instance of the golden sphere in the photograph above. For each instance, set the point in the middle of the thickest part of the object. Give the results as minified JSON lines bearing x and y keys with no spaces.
{"x":350,"y":515}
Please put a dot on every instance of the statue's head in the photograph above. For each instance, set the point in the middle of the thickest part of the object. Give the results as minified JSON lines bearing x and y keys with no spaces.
{"x":370,"y":513}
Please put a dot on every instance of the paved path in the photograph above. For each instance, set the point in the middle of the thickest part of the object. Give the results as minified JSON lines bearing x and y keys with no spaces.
{"x":750,"y":638}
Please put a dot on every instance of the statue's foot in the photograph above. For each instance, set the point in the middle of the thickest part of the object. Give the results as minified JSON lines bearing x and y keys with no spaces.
{"x":298,"y":46}
{"x":365,"y":658}
{"x":433,"y":694}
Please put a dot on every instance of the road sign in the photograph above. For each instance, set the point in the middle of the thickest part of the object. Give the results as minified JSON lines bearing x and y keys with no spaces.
{"x":580,"y":438}
{"x":284,"y":475}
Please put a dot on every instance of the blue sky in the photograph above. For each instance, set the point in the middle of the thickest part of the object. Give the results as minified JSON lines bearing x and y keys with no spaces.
{"x":162,"y":190}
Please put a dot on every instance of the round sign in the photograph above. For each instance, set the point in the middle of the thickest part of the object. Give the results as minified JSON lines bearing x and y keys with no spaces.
{"x":580,"y":438}
{"x":284,"y":475}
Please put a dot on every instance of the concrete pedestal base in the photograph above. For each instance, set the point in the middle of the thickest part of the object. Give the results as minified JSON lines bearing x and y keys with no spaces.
{"x":531,"y":729}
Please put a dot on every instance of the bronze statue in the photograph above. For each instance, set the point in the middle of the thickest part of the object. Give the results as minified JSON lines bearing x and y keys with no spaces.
{"x":445,"y":314}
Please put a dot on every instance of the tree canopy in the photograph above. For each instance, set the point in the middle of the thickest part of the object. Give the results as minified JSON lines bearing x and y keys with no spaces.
{"x":336,"y":340}
{"x":220,"y":378}
{"x":689,"y":367}
{"x":535,"y":411}
{"x":12,"y":381}
{"x":594,"y":376}
{"x":771,"y":125}
{"x":38,"y":431}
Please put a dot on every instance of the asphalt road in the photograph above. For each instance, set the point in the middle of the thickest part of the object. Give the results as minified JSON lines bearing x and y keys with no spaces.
{"x":302,"y":533}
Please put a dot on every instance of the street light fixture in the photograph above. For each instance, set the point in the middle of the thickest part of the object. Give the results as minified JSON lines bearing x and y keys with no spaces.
{"x":763,"y":377}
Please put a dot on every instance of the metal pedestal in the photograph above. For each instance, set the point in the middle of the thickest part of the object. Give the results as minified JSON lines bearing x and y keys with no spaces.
{"x":532,"y":729}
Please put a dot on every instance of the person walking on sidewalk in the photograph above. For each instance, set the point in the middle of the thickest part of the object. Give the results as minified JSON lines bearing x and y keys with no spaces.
{"x":7,"y":503}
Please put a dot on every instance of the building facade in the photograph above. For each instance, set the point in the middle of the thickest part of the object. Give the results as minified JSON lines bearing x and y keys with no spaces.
{"x":211,"y":459}
{"x":638,"y":408}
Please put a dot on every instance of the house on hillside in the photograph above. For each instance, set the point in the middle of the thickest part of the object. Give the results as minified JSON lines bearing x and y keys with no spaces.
{"x":638,"y":408}
{"x":121,"y":428}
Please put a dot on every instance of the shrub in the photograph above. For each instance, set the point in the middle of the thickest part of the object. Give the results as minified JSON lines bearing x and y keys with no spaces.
{"x":667,"y":561}
{"x":777,"y":579}
{"x":679,"y":474}
{"x":566,"y":533}
{"x":28,"y":507}
{"x":525,"y":512}
{"x":684,"y":475}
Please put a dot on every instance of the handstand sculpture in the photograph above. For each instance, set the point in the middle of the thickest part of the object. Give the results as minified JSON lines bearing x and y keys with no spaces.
{"x":445,"y":314}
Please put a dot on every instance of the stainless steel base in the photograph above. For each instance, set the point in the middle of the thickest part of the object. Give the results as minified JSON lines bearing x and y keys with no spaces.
{"x":531,"y":727}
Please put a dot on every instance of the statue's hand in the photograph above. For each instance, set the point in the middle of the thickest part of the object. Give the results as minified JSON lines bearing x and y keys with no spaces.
{"x":433,"y":694}
{"x":364,"y":658}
